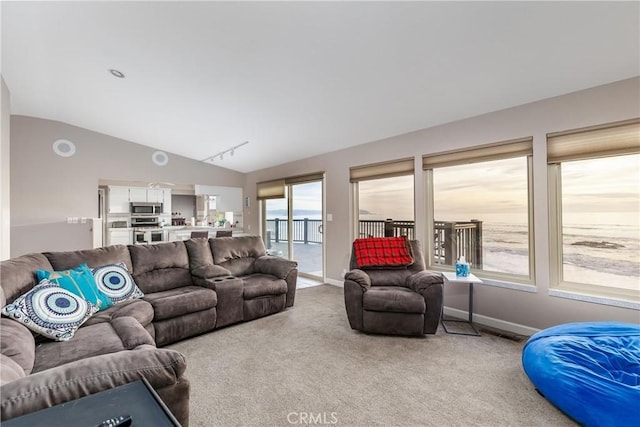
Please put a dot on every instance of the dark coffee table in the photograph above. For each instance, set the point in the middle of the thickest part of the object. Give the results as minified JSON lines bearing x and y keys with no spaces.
{"x":138,"y":400}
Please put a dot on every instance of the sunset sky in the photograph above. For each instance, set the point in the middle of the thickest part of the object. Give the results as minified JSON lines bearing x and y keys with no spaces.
{"x":601,"y":191}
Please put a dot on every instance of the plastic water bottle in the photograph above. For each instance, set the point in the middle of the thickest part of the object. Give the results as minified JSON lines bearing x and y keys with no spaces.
{"x":462,"y":268}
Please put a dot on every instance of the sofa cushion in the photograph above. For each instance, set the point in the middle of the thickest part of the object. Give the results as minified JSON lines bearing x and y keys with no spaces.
{"x":17,"y":342}
{"x":50,"y":310}
{"x":240,"y":266}
{"x":259,"y":285}
{"x":201,"y":260}
{"x":93,"y":257}
{"x":160,"y":267}
{"x":124,"y":333}
{"x":115,"y":281}
{"x":393,"y":299}
{"x":237,"y":254}
{"x":81,"y":282}
{"x":199,"y":254}
{"x":10,"y":370}
{"x":180,"y":301}
{"x":139,"y":309}
{"x":19,"y":274}
{"x":228,"y":248}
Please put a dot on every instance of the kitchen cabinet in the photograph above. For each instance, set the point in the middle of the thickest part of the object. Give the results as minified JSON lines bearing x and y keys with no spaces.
{"x":155,"y":195}
{"x":166,"y":201}
{"x":118,"y":200}
{"x":138,"y":194}
{"x":120,"y":197}
{"x":120,"y":237}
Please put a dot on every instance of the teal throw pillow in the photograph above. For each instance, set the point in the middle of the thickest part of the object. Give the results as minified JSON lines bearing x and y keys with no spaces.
{"x":81,"y":282}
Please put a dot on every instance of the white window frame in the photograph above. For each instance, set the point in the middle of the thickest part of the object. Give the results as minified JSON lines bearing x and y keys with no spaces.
{"x":373,"y":171}
{"x":522,"y":147}
{"x":582,"y":144}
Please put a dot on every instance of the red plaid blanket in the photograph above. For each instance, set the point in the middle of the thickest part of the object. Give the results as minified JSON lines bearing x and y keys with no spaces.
{"x":382,"y":252}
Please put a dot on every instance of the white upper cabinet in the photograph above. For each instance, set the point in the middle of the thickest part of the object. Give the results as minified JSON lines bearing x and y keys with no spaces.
{"x":138,"y":194}
{"x":155,"y":195}
{"x":118,"y":199}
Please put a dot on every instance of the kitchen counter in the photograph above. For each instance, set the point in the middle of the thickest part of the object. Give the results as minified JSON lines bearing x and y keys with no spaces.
{"x":183,"y":232}
{"x":172,"y":233}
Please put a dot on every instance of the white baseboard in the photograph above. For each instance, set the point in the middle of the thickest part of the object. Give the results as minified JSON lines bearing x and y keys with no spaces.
{"x":491,"y":322}
{"x":334,"y":282}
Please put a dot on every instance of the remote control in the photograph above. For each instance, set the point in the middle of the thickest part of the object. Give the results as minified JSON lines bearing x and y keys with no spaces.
{"x":121,"y":421}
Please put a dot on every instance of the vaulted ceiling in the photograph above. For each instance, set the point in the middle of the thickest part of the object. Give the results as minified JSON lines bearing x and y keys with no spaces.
{"x":297,"y":79}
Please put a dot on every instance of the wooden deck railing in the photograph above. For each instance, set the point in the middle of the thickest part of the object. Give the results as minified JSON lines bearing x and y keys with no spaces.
{"x":451,"y":239}
{"x":386,"y":228}
{"x":304,"y":230}
{"x":455,"y":239}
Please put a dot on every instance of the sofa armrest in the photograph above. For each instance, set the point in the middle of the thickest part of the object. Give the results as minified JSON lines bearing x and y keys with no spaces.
{"x":359,"y":277}
{"x":356,"y":283}
{"x":275,"y":266}
{"x":209,"y":271}
{"x":161,"y":367}
{"x":429,"y":284}
{"x":422,"y":280}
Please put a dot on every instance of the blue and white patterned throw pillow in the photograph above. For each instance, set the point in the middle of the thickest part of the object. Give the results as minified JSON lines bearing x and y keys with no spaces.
{"x":115,"y":281}
{"x":50,"y":310}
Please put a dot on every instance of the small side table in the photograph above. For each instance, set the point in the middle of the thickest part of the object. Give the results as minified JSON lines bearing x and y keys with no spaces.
{"x":469,"y":280}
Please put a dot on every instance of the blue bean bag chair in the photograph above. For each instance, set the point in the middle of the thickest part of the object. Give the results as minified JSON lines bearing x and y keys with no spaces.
{"x":590,"y":371}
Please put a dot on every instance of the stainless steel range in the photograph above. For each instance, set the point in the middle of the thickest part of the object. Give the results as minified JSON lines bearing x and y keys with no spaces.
{"x":146,"y":229}
{"x":145,"y":221}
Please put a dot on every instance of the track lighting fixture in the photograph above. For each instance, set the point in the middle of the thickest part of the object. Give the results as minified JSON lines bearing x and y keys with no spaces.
{"x":221,"y":154}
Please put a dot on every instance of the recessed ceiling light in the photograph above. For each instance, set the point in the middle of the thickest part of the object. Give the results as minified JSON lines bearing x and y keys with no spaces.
{"x":160,"y":158}
{"x":64,"y":148}
{"x":116,"y":73}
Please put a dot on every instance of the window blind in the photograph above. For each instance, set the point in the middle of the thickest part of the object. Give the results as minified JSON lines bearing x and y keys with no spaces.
{"x":382,"y":170}
{"x":480,"y":153}
{"x":614,"y":139}
{"x":271,"y":189}
{"x":301,"y":179}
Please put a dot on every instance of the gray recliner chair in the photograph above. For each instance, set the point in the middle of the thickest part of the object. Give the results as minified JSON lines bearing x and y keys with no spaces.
{"x":394,"y":300}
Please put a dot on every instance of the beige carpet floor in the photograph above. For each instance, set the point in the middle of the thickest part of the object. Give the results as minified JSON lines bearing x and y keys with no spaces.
{"x":305,"y":366}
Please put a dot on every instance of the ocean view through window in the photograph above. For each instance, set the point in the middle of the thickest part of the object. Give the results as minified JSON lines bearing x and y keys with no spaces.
{"x":494,"y":195}
{"x":601,"y":222}
{"x":386,"y":198}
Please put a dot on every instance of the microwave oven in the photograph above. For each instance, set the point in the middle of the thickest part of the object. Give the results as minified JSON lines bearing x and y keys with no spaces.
{"x":141,"y":208}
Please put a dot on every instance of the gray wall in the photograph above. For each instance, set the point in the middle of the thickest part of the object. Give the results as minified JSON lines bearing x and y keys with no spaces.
{"x":46,"y":189}
{"x":603,"y":104}
{"x":5,"y":167}
{"x":184,"y":204}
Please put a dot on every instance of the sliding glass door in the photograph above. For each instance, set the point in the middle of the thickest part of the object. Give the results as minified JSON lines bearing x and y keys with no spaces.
{"x":293,"y":226}
{"x":307,"y":224}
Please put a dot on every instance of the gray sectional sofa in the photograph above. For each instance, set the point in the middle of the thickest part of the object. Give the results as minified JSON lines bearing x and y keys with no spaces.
{"x":189,"y":288}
